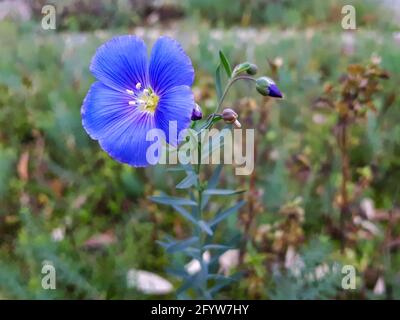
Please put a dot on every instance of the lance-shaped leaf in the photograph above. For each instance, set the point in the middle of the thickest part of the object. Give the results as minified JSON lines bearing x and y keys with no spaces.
{"x":222,"y":192}
{"x":189,"y":181}
{"x":181,"y":167}
{"x":175,"y":169}
{"x":177,"y":272}
{"x":216,"y":247}
{"x":225,"y":63}
{"x":212,"y":183}
{"x":222,"y":281}
{"x":172,"y":201}
{"x":218,"y":82}
{"x":186,"y":214}
{"x":181,"y":245}
{"x":187,"y":284}
{"x":205,"y":227}
{"x":192,"y":252}
{"x":226,"y":213}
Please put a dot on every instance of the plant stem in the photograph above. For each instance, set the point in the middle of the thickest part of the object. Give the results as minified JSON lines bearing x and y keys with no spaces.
{"x":344,"y":206}
{"x":198,"y":232}
{"x":230,"y":83}
{"x":203,"y":272}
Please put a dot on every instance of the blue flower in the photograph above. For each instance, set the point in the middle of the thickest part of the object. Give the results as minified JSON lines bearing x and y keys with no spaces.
{"x":135,"y":94}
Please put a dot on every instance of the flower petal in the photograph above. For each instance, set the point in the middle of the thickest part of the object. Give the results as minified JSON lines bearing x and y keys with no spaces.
{"x":121,"y":63}
{"x":121,"y":129}
{"x":177,"y":105}
{"x":169,"y":66}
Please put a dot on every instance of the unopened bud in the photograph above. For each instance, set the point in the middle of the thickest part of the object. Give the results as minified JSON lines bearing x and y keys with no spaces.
{"x":267,"y":87}
{"x":230,"y":116}
{"x":197,"y":114}
{"x":247,"y":67}
{"x":252,"y":70}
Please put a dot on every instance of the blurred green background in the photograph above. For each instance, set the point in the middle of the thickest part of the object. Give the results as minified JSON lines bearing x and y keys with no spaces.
{"x":62,"y":199}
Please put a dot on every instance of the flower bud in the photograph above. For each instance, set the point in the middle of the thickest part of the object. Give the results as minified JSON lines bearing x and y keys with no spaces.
{"x":267,"y":87}
{"x":197,"y":114}
{"x":249,"y":68}
{"x":252,"y":69}
{"x":230,"y":116}
{"x":240,"y":68}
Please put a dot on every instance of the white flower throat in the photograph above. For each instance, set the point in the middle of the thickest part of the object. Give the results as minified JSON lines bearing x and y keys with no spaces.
{"x":146,"y":100}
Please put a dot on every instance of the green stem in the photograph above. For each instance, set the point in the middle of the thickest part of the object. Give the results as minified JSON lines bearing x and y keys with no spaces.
{"x":230,"y":83}
{"x":209,"y":123}
{"x":199,"y":188}
{"x":199,"y":233}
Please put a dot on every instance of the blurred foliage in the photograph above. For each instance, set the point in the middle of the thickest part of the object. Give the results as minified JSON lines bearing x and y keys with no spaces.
{"x":78,"y":15}
{"x":62,"y":199}
{"x":287,"y":13}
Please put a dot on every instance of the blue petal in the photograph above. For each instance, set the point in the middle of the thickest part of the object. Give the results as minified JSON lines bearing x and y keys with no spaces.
{"x":169,"y":66}
{"x":121,"y":63}
{"x":120,"y":129}
{"x":274,"y":91}
{"x":177,"y":105}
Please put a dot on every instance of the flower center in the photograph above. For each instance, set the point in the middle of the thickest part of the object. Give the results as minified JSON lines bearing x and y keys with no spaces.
{"x":145,"y":100}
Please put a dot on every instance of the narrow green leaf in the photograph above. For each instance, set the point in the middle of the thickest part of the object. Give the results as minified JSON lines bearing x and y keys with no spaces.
{"x":175,"y":169}
{"x":187,"y":167}
{"x":188,"y":283}
{"x":177,"y":272}
{"x":205,"y":227}
{"x":191,"y":252}
{"x":224,"y":214}
{"x":225,"y":63}
{"x":212,"y":183}
{"x":181,"y":245}
{"x":222,"y":281}
{"x":180,"y":168}
{"x":184,"y":213}
{"x":173,"y":201}
{"x":222,"y":192}
{"x":216,"y":247}
{"x":216,"y":276}
{"x":189,"y":181}
{"x":218,"y":82}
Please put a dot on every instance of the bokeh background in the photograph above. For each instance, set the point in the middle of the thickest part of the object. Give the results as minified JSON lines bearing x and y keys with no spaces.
{"x":63,"y":200}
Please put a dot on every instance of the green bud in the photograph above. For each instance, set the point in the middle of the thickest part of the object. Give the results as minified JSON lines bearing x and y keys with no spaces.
{"x":242,"y":67}
{"x":252,"y":69}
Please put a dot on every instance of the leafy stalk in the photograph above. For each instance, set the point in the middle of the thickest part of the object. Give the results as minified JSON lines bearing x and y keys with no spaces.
{"x":201,"y":241}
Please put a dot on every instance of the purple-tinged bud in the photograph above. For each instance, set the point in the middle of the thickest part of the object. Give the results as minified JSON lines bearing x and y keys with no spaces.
{"x":267,"y":87}
{"x":230,"y":116}
{"x":197,"y":114}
